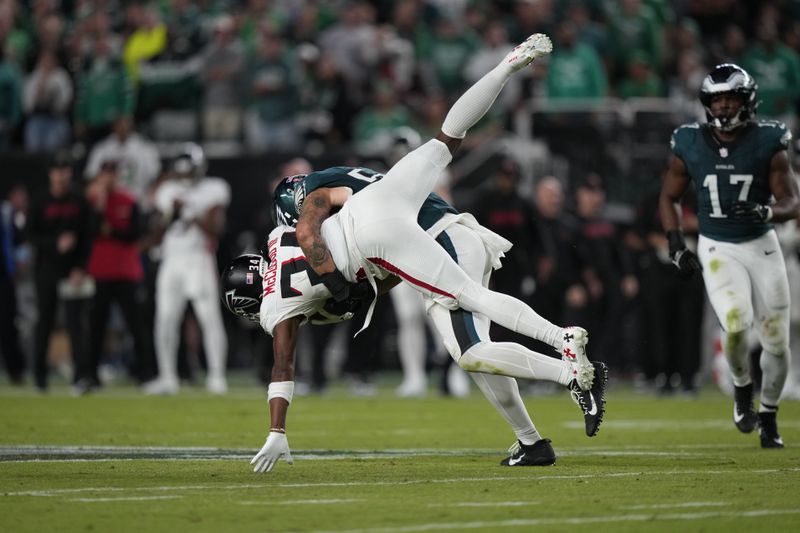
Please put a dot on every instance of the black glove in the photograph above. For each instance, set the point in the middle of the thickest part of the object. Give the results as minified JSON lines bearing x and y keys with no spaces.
{"x":360,"y":293}
{"x":337,"y":284}
{"x":751,"y":211}
{"x":684,"y":259}
{"x":342,"y":290}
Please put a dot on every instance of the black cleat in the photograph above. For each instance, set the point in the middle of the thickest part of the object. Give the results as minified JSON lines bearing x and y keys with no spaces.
{"x":593,"y":401}
{"x":769,"y":430}
{"x":744,"y":416}
{"x":540,"y":453}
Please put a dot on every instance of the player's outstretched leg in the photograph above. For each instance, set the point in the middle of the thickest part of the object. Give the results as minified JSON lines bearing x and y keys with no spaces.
{"x":477,"y":100}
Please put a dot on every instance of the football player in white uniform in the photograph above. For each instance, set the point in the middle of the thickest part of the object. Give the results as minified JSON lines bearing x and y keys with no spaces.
{"x":282,"y":293}
{"x":193,"y":207}
{"x":376,"y":234}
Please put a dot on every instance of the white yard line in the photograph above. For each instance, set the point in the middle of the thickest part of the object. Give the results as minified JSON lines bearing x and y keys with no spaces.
{"x":34,"y":453}
{"x":673,"y":505}
{"x":661,"y":425}
{"x":267,"y":485}
{"x":125,"y":499}
{"x":567,"y":521}
{"x":485,"y":504}
{"x":300,"y":502}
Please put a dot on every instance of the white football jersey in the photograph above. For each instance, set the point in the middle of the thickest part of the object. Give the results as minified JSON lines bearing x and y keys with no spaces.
{"x":290,"y":286}
{"x":197,"y":198}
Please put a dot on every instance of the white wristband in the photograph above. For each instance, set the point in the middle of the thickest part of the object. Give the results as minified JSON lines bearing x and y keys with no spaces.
{"x":281,"y":389}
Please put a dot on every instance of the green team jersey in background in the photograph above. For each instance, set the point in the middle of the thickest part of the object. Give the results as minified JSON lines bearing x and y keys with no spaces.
{"x":724,"y":173}
{"x":356,"y":178}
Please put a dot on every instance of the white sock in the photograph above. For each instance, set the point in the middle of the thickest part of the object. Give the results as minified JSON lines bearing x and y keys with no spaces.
{"x":511,"y":313}
{"x":475,"y":102}
{"x":774,"y":369}
{"x":503,"y":393}
{"x":514,"y":360}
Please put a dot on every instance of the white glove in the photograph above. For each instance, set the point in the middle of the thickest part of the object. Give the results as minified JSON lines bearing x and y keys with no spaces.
{"x":276,"y":447}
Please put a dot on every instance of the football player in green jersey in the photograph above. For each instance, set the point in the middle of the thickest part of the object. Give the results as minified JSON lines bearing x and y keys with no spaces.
{"x":738,"y":166}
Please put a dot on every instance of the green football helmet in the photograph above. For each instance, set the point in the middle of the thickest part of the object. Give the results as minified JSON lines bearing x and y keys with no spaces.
{"x":287,"y":199}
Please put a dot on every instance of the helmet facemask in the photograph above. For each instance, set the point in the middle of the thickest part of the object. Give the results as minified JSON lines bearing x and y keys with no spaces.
{"x":729,"y":79}
{"x":242,"y":286}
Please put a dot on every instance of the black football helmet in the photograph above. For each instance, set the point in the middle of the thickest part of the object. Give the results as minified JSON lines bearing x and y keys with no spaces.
{"x":729,"y":78}
{"x":241,"y":286}
{"x":288,"y":199}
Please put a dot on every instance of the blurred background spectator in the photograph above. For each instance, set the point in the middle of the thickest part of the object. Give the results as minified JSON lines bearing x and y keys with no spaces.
{"x":220,"y":71}
{"x":137,"y":158}
{"x":115,"y":266}
{"x":47,"y":96}
{"x":272,"y":97}
{"x":104,"y":92}
{"x":58,"y":228}
{"x":11,"y":224}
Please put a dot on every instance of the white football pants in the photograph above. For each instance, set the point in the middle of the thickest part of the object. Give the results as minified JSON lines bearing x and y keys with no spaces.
{"x":181,"y":279}
{"x":748,"y":287}
{"x":380,"y":226}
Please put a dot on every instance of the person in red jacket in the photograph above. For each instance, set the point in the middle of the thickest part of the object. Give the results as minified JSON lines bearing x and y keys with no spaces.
{"x":115,"y":265}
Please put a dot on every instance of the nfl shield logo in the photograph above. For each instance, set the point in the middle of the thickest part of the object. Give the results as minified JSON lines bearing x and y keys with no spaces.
{"x":248,"y":278}
{"x":723,"y":152}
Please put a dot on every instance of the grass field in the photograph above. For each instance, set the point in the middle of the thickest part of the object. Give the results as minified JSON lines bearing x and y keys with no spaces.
{"x":119,"y":462}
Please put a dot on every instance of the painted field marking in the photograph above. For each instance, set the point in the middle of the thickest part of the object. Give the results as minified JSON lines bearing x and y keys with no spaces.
{"x":35,"y":453}
{"x":301,"y":502}
{"x":673,"y":505}
{"x":484,"y":504}
{"x":125,"y":499}
{"x":265,"y":484}
{"x":566,"y":521}
{"x":660,"y":425}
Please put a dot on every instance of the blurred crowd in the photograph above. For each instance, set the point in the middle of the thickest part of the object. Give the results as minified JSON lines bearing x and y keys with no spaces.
{"x":115,"y":85}
{"x":280,"y":75}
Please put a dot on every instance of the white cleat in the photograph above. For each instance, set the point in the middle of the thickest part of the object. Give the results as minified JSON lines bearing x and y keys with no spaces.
{"x":573,"y":351}
{"x":161,"y":387}
{"x":217,"y":385}
{"x":537,"y":45}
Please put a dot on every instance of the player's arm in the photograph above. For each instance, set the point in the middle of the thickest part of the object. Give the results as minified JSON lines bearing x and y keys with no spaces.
{"x":284,"y":343}
{"x":316,"y":208}
{"x":783,"y":185}
{"x":280,"y":392}
{"x":674,"y":185}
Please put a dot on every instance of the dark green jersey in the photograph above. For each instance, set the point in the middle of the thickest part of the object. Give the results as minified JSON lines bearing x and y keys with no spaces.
{"x":724,"y":173}
{"x":356,"y":178}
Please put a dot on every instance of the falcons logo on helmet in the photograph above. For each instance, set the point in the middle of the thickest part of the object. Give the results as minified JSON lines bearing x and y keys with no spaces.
{"x":242,"y":305}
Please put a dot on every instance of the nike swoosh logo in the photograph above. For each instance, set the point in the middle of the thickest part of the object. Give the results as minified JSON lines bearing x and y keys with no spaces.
{"x":593,"y":410}
{"x":737,"y":417}
{"x":770,"y":252}
{"x":512,"y":461}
